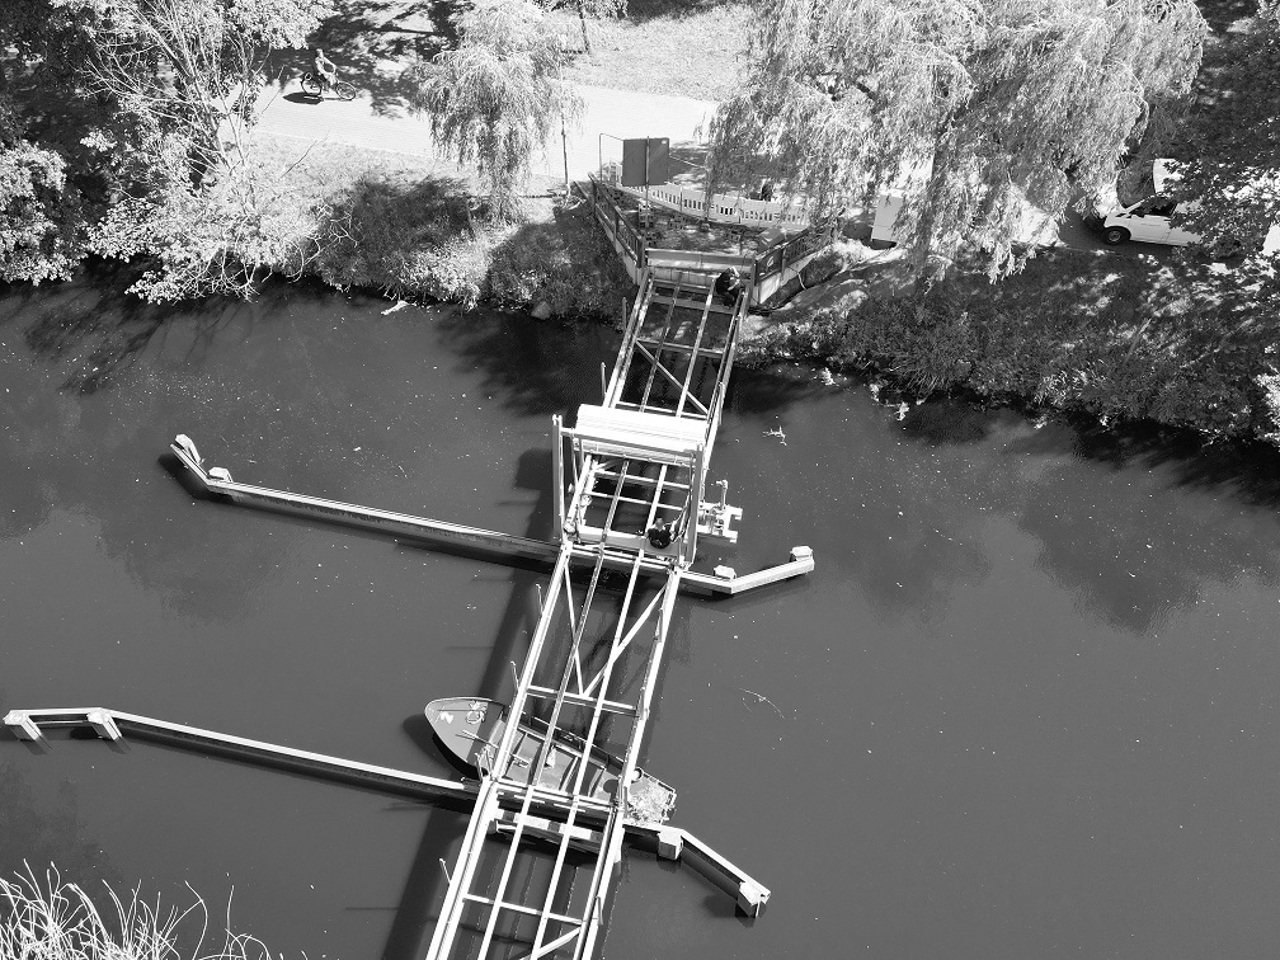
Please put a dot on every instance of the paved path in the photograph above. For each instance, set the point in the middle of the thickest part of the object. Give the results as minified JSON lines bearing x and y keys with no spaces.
{"x":609,"y":116}
{"x":611,"y":113}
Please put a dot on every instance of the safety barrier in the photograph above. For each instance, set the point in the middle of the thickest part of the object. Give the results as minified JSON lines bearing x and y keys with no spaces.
{"x":765,"y":272}
{"x":727,"y":208}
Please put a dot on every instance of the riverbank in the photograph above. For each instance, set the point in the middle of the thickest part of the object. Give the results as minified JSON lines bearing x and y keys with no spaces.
{"x":415,"y":229}
{"x":1115,"y":338}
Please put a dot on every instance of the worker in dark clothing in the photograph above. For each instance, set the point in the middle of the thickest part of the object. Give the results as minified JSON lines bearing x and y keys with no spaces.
{"x":728,"y":285}
{"x":660,"y":535}
{"x":663,"y":533}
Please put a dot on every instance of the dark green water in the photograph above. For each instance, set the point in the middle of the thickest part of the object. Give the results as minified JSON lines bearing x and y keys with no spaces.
{"x":1026,"y":706}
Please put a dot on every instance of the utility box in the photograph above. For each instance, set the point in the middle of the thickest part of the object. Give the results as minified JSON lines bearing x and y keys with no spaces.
{"x":644,"y":161}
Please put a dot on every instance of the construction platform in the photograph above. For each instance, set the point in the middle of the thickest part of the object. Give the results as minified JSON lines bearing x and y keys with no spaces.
{"x":537,"y":863}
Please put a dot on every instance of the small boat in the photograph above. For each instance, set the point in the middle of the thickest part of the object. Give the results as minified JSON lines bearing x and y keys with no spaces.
{"x":471,"y":728}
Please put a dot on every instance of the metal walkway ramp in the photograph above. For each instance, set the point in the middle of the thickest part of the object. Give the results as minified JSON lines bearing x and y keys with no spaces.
{"x":632,"y":492}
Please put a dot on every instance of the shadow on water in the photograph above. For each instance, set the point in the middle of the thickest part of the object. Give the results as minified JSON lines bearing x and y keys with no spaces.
{"x":551,"y":384}
{"x":424,"y":885}
{"x":539,"y":368}
{"x":94,"y":330}
{"x":1133,"y":559}
{"x":1246,"y":472}
{"x":415,"y":915}
{"x":1206,"y":513}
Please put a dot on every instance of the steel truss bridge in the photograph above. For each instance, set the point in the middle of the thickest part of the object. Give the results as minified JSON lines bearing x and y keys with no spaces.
{"x":535,"y":868}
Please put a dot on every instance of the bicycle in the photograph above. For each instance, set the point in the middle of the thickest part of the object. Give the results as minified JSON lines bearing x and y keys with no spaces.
{"x":315,"y":86}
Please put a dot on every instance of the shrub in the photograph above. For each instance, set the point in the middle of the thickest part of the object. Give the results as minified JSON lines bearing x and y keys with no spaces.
{"x":408,"y":241}
{"x":567,"y":263}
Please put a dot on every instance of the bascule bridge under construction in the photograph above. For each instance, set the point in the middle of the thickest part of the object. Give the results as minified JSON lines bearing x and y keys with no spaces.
{"x":557,"y":793}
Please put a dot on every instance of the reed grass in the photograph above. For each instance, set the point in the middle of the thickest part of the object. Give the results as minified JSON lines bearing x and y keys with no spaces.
{"x":46,"y":918}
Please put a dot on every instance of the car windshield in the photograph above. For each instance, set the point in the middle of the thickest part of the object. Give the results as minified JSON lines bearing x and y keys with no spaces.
{"x":1156,"y":207}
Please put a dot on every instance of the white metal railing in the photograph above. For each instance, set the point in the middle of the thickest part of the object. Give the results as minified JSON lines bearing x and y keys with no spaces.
{"x":722,"y":208}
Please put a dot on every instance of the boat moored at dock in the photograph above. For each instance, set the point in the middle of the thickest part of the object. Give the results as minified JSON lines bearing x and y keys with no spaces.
{"x":472,"y":728}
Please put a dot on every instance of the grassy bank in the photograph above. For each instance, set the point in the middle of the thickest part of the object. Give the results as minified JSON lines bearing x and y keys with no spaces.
{"x":413,"y":229}
{"x":1115,"y":338}
{"x":682,"y":48}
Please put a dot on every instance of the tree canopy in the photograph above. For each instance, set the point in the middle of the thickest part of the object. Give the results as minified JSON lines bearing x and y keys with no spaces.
{"x":1229,"y":144}
{"x":42,"y":235}
{"x":996,"y":103}
{"x":497,"y":97}
{"x":142,"y":107}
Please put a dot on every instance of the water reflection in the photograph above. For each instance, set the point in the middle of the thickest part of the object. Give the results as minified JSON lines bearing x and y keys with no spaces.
{"x":1167,"y":519}
{"x":46,"y":831}
{"x":919,"y":492}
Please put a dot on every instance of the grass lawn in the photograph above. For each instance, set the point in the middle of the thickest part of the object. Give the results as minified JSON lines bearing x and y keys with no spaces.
{"x":688,"y":49}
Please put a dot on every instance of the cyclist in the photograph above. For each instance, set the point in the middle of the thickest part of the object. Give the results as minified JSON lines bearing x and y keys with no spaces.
{"x":326,"y":72}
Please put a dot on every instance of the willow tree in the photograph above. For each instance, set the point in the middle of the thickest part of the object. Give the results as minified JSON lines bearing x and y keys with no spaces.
{"x":498,"y":96}
{"x":995,"y":103}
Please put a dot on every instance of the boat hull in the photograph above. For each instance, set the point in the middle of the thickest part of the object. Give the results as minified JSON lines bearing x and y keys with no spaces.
{"x":472,"y":728}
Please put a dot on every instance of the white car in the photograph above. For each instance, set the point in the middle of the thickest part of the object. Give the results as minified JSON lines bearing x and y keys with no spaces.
{"x":1147,"y":220}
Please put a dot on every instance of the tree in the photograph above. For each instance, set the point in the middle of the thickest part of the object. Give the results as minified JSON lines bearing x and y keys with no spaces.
{"x":590,"y":8}
{"x":1229,"y":144}
{"x":42,"y":232}
{"x":183,"y":76}
{"x":496,"y":98}
{"x":181,"y":68}
{"x":997,"y":103}
{"x":170,"y":85}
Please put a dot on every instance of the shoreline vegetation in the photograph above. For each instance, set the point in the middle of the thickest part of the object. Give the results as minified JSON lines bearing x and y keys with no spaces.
{"x":50,"y":919}
{"x":414,"y":229}
{"x":1119,"y":339}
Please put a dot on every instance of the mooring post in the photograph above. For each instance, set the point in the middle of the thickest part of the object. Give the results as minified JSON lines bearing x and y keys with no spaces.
{"x":557,"y":475}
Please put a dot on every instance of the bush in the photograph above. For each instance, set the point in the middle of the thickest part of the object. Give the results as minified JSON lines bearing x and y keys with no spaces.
{"x":411,"y":242}
{"x":568,"y":263}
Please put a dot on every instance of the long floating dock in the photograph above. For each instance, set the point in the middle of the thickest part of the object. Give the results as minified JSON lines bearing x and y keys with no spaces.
{"x":216,"y":481}
{"x":670,"y":843}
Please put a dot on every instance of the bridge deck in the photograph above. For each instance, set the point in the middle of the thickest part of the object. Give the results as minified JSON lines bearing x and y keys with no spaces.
{"x":638,"y":469}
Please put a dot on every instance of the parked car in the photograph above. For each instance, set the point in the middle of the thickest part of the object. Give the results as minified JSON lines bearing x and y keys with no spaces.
{"x":1148,"y":220}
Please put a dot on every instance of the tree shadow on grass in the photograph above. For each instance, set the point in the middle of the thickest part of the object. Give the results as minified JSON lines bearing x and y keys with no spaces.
{"x":676,"y":9}
{"x":1220,"y":14}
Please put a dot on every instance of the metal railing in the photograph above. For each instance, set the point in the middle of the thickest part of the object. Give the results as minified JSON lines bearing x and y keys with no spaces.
{"x":604,"y":201}
{"x":807,"y":242}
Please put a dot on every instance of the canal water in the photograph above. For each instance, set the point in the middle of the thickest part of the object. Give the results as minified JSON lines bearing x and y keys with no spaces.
{"x":1025,"y":707}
